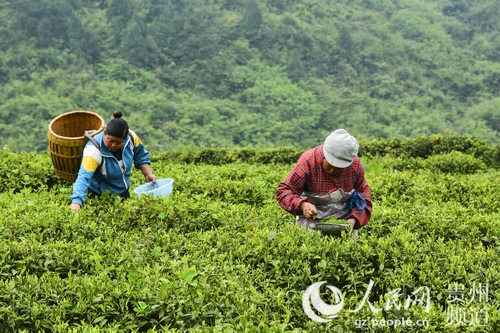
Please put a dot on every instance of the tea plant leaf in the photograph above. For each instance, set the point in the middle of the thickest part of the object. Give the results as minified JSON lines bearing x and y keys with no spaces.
{"x":221,"y":255}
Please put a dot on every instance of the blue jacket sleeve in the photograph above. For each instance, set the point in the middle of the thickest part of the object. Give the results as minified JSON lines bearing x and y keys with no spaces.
{"x":141,"y":155}
{"x":90,"y":162}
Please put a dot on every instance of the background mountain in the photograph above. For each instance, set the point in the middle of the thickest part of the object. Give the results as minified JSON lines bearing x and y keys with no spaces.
{"x":254,"y":73}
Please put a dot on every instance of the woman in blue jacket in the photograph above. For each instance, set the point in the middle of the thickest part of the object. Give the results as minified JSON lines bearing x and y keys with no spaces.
{"x":107,"y":163}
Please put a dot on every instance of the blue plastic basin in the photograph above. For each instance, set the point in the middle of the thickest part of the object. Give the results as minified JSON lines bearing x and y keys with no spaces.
{"x":162,"y":188}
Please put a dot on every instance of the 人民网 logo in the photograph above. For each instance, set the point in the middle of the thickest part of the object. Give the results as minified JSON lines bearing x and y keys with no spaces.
{"x":312,"y":299}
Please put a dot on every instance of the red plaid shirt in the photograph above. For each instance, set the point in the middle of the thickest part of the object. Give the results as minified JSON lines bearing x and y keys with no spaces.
{"x":308,"y":175}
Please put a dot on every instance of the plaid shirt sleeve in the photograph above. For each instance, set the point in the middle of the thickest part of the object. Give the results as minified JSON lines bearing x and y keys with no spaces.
{"x":288,"y":192}
{"x":361,"y":186}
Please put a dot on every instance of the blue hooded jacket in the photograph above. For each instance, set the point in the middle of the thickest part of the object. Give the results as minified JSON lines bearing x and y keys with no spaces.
{"x":100,"y":170}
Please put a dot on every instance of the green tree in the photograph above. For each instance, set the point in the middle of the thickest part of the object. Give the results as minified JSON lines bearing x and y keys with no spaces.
{"x":134,"y":46}
{"x":119,"y":14}
{"x":345,"y":44}
{"x":251,"y":22}
{"x":295,"y":68}
{"x":82,"y":41}
{"x":52,"y":27}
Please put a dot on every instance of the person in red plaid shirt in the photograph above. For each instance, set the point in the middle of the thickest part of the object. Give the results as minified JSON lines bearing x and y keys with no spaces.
{"x":326,"y":168}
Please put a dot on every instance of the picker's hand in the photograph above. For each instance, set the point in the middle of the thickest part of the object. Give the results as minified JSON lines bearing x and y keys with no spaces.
{"x":151,"y":178}
{"x":75,"y":207}
{"x":146,"y":171}
{"x":308,"y":209}
{"x":352,"y":222}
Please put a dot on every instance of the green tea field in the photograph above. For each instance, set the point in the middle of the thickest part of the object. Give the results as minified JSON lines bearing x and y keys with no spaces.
{"x":220,"y":255}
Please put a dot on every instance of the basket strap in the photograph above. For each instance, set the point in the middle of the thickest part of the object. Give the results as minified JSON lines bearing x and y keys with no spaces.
{"x":97,"y":144}
{"x":131,"y":138}
{"x":93,"y":141}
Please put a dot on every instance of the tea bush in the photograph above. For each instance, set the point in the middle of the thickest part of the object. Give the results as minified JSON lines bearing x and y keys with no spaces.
{"x":220,"y":156}
{"x":25,"y":170}
{"x":427,"y":146}
{"x":220,"y":255}
{"x":409,"y":148}
{"x":453,"y":162}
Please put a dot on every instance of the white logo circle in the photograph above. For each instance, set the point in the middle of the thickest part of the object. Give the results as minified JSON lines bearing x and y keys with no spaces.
{"x":311,"y":296}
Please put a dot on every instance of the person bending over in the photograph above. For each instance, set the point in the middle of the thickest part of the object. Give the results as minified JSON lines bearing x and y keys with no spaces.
{"x":107,"y":163}
{"x":328,"y":180}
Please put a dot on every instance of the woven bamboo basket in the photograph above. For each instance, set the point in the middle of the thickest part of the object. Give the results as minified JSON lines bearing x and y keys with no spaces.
{"x":67,"y":140}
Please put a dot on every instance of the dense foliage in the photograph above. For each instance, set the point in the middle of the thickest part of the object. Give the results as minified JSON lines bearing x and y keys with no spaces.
{"x":219,"y":254}
{"x":220,"y":73}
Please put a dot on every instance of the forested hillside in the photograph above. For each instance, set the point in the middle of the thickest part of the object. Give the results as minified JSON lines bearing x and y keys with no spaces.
{"x":260,"y":73}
